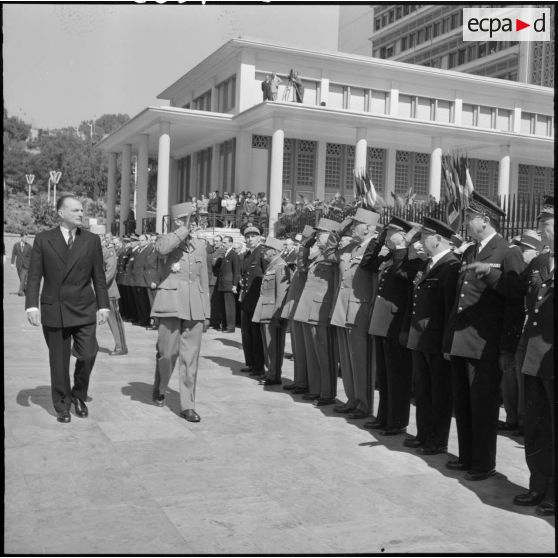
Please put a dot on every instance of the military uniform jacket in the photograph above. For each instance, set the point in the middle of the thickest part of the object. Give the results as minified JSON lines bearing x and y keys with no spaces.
{"x":433,"y":298}
{"x":273,"y":292}
{"x":297,"y":279}
{"x":137,"y":274}
{"x":123,"y":254}
{"x":184,"y":289}
{"x":316,"y":301}
{"x":354,"y":294}
{"x":153,"y":266}
{"x":110,"y":261}
{"x":476,"y":321}
{"x":251,"y":273}
{"x":536,"y":283}
{"x":391,"y":305}
{"x":127,"y":275}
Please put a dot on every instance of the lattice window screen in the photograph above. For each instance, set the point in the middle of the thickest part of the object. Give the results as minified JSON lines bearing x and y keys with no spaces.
{"x":523,"y":180}
{"x":421,"y":172}
{"x":261,"y":142}
{"x":402,"y":159}
{"x":349,"y":167}
{"x":305,"y":163}
{"x":333,"y":166}
{"x":376,"y":168}
{"x":287,"y":162}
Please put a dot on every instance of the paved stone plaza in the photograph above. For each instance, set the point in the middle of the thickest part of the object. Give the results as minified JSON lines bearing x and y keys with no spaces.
{"x":264,"y":471}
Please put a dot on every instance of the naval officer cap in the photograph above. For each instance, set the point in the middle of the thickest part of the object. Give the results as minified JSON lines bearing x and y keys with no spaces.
{"x":328,"y":225}
{"x":398,"y":224}
{"x":275,"y":243}
{"x":483,"y":206}
{"x":251,"y":228}
{"x":435,"y":226}
{"x":547,"y":210}
{"x":367,"y":217}
{"x":182,"y":210}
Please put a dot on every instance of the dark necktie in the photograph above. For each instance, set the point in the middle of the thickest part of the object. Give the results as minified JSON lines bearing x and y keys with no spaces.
{"x":70,"y":240}
{"x":429,"y":265}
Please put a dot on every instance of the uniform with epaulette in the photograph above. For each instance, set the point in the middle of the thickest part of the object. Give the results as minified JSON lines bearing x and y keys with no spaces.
{"x":474,"y":338}
{"x":140,"y":284}
{"x":536,"y":285}
{"x":268,"y":313}
{"x":387,"y":324}
{"x":251,"y":272}
{"x":152,"y":271}
{"x":351,"y":314}
{"x":296,"y":285}
{"x":433,"y":297}
{"x":114,"y":319}
{"x":182,"y":308}
{"x":314,"y":311}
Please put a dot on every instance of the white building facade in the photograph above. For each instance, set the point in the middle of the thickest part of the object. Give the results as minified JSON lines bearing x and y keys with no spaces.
{"x":392,"y":118}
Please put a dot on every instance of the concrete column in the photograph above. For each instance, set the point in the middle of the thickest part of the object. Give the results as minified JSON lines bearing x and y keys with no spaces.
{"x":193,"y":191}
{"x":320,"y":170}
{"x":435,"y":181}
{"x":458,"y":111}
{"x":514,"y":176}
{"x":516,"y":120}
{"x":324,"y":88}
{"x":143,"y":174}
{"x":360,"y":151}
{"x":173,"y":181}
{"x":504,"y":171}
{"x":390,"y":174}
{"x":276,"y":172}
{"x":125,"y":171}
{"x":111,"y":190}
{"x":243,"y":163}
{"x":163,"y":168}
{"x":394,"y":100}
{"x":215,"y":180}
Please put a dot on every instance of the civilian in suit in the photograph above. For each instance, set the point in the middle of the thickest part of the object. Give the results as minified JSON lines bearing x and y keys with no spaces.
{"x":182,"y":308}
{"x":387,"y":324}
{"x":21,"y":257}
{"x":475,"y":336}
{"x":314,"y":312}
{"x":536,"y":285}
{"x":351,"y":314}
{"x":275,"y":81}
{"x":69,"y":261}
{"x":297,"y":278}
{"x":251,"y":274}
{"x":433,"y":297}
{"x":268,"y":311}
{"x":228,"y":275}
{"x":215,"y":252}
{"x":266,"y":89}
{"x":114,"y":319}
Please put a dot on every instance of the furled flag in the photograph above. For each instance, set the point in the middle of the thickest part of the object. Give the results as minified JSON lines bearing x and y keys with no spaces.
{"x":459,"y":186}
{"x":365,"y":191}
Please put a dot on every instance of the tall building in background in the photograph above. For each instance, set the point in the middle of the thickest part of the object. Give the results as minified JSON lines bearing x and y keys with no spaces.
{"x":431,"y":35}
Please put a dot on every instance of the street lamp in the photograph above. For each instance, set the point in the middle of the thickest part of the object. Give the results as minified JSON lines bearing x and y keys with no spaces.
{"x":30,"y":178}
{"x":54,"y":178}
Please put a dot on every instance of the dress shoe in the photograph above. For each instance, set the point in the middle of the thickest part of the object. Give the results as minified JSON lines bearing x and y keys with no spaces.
{"x":506,"y":426}
{"x":456,"y":465}
{"x":289,"y":387}
{"x":159,"y":400}
{"x":63,"y":416}
{"x":118,"y":352}
{"x":357,"y":414}
{"x":269,"y":382}
{"x":190,"y":415}
{"x":343,"y":409}
{"x":546,"y":508}
{"x":479,"y":475}
{"x":289,"y":356}
{"x":432,"y":451}
{"x":375,"y":424}
{"x":81,"y":408}
{"x":531,"y":498}
{"x":247,"y":369}
{"x":310,"y":396}
{"x":393,"y":431}
{"x":257,"y":373}
{"x":413,"y":443}
{"x":299,"y":390}
{"x":323,"y":401}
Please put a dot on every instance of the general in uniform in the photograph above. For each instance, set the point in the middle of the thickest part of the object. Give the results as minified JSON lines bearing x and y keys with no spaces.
{"x":182,"y":308}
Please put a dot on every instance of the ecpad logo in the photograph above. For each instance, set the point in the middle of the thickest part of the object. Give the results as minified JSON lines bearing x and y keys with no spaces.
{"x":506,"y":24}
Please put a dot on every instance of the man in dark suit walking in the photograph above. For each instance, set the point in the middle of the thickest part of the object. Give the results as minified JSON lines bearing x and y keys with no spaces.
{"x":21,"y":257}
{"x":227,"y":269}
{"x":69,"y":260}
{"x":475,"y":336}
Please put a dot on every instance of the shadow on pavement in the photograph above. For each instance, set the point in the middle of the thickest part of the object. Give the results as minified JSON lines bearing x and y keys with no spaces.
{"x":139,"y":391}
{"x":229,"y":342}
{"x":233,"y":365}
{"x":41,"y":395}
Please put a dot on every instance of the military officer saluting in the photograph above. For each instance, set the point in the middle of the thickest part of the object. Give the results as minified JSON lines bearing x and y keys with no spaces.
{"x":314,"y":311}
{"x":536,"y":284}
{"x":474,"y":339}
{"x":182,"y":308}
{"x":433,"y":297}
{"x":351,"y":313}
{"x":268,"y":310}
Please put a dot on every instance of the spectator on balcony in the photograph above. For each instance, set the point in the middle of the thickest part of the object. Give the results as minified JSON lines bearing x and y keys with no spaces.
{"x":250,"y":205}
{"x":288,"y":206}
{"x":262,"y":211}
{"x":266,"y":89}
{"x":229,"y":209}
{"x":275,"y":81}
{"x":298,"y":86}
{"x":240,"y":208}
{"x":338,"y":202}
{"x":214,"y":208}
{"x":202,"y":206}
